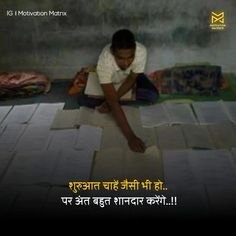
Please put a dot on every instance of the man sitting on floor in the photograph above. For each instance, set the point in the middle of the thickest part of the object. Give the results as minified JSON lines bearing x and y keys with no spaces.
{"x":123,"y":61}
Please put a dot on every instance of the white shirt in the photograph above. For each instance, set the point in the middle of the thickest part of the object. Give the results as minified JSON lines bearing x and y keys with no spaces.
{"x":109,"y":72}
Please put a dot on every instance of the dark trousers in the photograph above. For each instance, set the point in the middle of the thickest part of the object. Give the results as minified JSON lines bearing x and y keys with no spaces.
{"x":145,"y":92}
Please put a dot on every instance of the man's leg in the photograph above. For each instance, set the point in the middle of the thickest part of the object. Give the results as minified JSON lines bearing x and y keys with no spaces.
{"x":90,"y":102}
{"x":145,"y":90}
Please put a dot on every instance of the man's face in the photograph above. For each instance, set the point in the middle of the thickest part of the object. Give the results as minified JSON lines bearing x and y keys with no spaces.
{"x":124,"y":57}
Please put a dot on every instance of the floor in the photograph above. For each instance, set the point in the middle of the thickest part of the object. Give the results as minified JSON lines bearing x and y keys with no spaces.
{"x":58,"y":93}
{"x":33,"y":168}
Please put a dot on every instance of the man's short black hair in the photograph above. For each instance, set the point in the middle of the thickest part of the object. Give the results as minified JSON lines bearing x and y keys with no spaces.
{"x":123,"y":39}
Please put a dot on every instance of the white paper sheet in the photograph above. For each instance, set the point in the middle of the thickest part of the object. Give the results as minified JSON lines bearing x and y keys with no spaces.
{"x":223,"y":135}
{"x":180,"y":113}
{"x":177,"y":169}
{"x":4,"y":110}
{"x":109,"y":140}
{"x":210,"y":112}
{"x":85,"y":116}
{"x":167,"y":114}
{"x":88,"y":116}
{"x":89,"y":138}
{"x":69,"y":119}
{"x":231,"y":110}
{"x":45,"y":113}
{"x":2,"y":128}
{"x":133,"y":115}
{"x":62,"y":139}
{"x":5,"y":160}
{"x":10,"y":136}
{"x":117,"y":163}
{"x":102,"y":120}
{"x":233,"y":151}
{"x":199,"y":167}
{"x":143,"y":166}
{"x":20,"y":114}
{"x":31,"y":167}
{"x":65,"y":119}
{"x":48,"y":167}
{"x":35,"y":137}
{"x":153,"y":115}
{"x":213,"y":167}
{"x":170,"y":137}
{"x":73,"y":166}
{"x":197,"y":136}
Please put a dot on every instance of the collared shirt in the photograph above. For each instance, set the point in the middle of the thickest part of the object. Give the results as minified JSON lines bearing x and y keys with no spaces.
{"x":109,"y":72}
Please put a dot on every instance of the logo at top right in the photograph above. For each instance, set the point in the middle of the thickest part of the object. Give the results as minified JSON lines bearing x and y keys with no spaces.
{"x":217,"y":20}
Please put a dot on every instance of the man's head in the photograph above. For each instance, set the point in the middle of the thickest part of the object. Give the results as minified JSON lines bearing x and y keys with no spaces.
{"x":123,"y":48}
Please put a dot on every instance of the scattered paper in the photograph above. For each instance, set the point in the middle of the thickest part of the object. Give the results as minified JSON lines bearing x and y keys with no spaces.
{"x":45,"y":113}
{"x":89,"y":138}
{"x":20,"y":114}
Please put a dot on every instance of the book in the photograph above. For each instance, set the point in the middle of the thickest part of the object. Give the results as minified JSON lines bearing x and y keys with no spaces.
{"x":203,"y":113}
{"x":48,"y":167}
{"x":215,"y":112}
{"x":117,"y":163}
{"x":190,"y":167}
{"x":210,"y":112}
{"x":167,"y":114}
{"x":94,"y":89}
{"x":198,"y":136}
{"x":70,"y":119}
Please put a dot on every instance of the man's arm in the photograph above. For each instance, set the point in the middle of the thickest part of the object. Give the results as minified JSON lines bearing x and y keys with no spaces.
{"x":127,"y":84}
{"x":112,"y":99}
{"x":123,"y":89}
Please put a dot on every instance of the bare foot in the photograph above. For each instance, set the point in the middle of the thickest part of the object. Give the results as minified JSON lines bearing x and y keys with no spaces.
{"x":103,"y":108}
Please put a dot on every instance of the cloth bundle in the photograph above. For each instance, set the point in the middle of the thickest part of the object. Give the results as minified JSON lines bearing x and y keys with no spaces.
{"x":23,"y":84}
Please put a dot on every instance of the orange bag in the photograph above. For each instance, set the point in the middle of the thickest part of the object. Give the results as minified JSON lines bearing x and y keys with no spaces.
{"x":80,"y":80}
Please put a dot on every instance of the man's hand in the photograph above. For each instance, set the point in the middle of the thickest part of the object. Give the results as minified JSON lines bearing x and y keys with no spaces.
{"x":112,"y":100}
{"x":136,"y":144}
{"x":103,"y":108}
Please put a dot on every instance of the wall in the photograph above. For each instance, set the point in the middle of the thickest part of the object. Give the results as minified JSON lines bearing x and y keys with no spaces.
{"x":173,"y":31}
